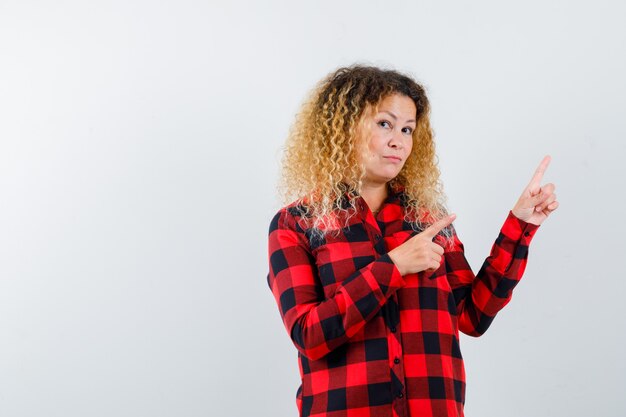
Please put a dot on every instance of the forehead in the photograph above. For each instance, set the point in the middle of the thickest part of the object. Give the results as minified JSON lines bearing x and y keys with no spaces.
{"x":400,"y":105}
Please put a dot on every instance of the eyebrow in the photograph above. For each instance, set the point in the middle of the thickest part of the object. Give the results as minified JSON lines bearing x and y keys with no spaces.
{"x":395,"y":117}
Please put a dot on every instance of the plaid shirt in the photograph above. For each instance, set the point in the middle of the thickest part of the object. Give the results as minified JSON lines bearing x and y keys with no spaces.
{"x":370,"y":341}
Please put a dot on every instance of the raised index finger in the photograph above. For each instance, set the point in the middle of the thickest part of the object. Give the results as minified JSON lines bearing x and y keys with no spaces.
{"x":432,"y":230}
{"x":538,"y":175}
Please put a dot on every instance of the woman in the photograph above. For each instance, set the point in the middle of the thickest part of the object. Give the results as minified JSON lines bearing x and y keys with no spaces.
{"x":366,"y":268}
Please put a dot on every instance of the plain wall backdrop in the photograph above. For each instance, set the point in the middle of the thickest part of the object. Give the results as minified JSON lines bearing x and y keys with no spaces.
{"x":140,"y":144}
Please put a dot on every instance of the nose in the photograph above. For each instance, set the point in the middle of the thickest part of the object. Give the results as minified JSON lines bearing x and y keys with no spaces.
{"x":395,"y":140}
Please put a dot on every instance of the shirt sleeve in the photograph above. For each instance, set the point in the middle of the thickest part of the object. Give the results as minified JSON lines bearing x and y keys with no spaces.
{"x":479,"y":297}
{"x":317,"y":325}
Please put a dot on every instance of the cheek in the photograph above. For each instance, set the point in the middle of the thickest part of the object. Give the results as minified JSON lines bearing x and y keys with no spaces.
{"x":409,"y":148}
{"x":364,"y":154}
{"x":377,"y":145}
{"x":372,"y":150}
{"x":368,"y":150}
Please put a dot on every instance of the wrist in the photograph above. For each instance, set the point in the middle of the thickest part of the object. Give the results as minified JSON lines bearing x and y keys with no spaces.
{"x":397,"y":265}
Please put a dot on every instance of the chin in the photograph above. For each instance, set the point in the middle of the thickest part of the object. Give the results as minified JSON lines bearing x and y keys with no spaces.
{"x":390,"y":175}
{"x":385,"y":178}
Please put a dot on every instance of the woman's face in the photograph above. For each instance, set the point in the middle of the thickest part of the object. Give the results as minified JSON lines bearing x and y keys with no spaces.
{"x":390,"y":138}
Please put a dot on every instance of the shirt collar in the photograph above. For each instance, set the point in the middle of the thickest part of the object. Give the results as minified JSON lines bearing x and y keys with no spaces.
{"x":392,"y":196}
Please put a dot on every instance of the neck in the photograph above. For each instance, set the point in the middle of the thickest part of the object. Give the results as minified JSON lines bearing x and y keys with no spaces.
{"x":374,"y":194}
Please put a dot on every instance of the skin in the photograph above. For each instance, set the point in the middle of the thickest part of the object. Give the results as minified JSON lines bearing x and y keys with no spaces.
{"x":536,"y":202}
{"x":390,"y":134}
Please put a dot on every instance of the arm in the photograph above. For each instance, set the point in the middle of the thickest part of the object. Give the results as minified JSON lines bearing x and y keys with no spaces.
{"x":479,"y":297}
{"x":317,"y":325}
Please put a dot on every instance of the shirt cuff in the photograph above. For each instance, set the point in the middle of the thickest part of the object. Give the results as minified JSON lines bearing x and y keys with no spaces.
{"x":518,"y":230}
{"x":392,"y":277}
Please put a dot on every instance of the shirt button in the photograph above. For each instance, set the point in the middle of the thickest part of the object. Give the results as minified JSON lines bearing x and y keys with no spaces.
{"x":396,"y":361}
{"x":526,"y":234}
{"x":377,"y":237}
{"x":400,"y":395}
{"x":393,"y":330}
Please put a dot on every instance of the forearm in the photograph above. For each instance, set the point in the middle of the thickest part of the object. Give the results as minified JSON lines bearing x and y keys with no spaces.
{"x":319,"y":322}
{"x":480,"y":297}
{"x":318,"y":329}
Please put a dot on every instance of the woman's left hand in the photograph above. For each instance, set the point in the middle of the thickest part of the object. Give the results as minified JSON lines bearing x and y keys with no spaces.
{"x":536,"y":202}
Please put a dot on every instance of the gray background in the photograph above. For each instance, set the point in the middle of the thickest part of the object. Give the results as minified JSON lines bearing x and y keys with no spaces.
{"x":139,"y":151}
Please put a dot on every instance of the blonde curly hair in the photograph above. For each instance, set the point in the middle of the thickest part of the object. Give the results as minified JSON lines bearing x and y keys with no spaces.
{"x":320,"y":165}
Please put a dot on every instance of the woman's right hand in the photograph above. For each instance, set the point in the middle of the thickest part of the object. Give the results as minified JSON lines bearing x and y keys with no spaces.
{"x":420,"y":253}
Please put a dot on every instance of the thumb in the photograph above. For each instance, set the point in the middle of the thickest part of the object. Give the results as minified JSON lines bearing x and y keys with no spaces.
{"x":536,"y":197}
{"x":534,"y":190}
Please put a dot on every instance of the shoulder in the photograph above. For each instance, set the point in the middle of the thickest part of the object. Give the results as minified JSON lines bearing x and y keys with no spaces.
{"x":288,"y":228}
{"x":291,"y":217}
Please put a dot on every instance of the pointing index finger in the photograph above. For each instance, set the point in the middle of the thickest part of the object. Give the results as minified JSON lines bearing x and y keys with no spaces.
{"x":432,"y":230}
{"x":538,"y":175}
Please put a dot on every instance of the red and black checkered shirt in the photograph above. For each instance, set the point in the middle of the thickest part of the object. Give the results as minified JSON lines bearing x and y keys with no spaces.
{"x":370,"y":341}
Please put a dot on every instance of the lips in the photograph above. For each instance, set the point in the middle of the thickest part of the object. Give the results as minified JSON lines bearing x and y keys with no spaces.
{"x":393,"y":157}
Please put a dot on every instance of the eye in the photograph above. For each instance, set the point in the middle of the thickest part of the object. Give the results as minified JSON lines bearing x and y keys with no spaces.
{"x":383,"y":122}
{"x":408,"y":130}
